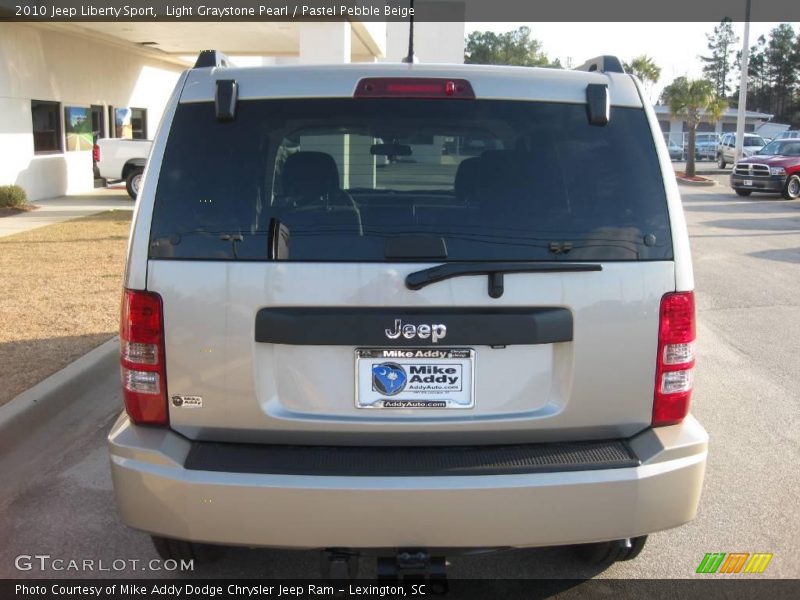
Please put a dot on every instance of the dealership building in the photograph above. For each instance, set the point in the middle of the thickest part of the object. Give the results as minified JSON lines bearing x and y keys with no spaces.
{"x":675,"y":129}
{"x":63,"y":85}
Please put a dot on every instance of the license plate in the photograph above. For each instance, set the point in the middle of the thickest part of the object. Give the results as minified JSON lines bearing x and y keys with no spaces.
{"x":747,"y":181}
{"x":422,"y":378}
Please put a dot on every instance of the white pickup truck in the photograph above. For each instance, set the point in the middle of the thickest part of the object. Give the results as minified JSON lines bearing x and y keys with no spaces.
{"x":122,"y":159}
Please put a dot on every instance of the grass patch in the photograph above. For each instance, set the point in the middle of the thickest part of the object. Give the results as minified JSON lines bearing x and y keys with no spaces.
{"x":6,"y":211}
{"x":60,"y":291}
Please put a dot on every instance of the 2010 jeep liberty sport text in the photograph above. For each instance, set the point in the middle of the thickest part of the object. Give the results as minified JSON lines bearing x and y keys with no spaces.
{"x":387,"y":306}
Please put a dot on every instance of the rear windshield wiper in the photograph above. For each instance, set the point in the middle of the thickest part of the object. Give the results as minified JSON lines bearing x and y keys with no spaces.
{"x":495,"y":270}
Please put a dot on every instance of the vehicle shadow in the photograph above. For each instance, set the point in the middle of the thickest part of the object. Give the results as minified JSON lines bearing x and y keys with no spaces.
{"x":769,"y":224}
{"x":790,"y":255}
{"x":743,"y":206}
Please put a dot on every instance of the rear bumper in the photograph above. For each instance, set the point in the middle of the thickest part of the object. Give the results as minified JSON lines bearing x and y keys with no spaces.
{"x":155,"y":493}
{"x":773,"y":183}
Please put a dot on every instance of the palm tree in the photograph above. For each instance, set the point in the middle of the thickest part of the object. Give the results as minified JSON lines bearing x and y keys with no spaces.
{"x":693,"y":100}
{"x":645,"y":69}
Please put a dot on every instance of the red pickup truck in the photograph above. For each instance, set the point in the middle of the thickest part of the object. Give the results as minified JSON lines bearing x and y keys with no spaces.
{"x":775,"y":168}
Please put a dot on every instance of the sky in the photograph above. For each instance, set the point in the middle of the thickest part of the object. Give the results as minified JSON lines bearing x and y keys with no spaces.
{"x":675,"y":47}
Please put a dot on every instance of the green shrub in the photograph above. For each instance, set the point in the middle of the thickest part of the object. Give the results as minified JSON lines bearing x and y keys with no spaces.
{"x":12,"y":195}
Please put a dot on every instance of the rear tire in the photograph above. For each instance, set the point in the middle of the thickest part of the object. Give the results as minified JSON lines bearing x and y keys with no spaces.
{"x":170,"y":549}
{"x":133,"y":182}
{"x":603,"y":553}
{"x":743,"y":192}
{"x":791,"y":191}
{"x":721,"y":162}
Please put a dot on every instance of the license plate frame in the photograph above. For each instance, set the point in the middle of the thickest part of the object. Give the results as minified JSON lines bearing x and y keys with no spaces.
{"x":747,"y":182}
{"x":407,"y":388}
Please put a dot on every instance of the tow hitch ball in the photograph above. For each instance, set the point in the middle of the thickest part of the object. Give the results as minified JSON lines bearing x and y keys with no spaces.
{"x":415,"y":566}
{"x":412,"y":566}
{"x":339,"y":563}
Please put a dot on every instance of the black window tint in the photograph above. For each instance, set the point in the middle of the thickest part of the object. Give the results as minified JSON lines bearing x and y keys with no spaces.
{"x":46,"y":127}
{"x":783,"y":147}
{"x":334,"y":179}
{"x":139,"y":123}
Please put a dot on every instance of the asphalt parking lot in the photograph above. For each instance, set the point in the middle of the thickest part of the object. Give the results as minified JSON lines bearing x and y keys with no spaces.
{"x":57,"y":499}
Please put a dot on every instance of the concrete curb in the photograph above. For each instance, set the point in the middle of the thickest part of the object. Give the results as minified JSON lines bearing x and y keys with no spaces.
{"x":687,"y":182}
{"x":49,"y":397}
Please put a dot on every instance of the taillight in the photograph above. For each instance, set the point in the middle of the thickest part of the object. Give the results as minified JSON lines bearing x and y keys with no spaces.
{"x":414,"y":87}
{"x":675,"y":365}
{"x":144,"y":377}
{"x":96,"y":153}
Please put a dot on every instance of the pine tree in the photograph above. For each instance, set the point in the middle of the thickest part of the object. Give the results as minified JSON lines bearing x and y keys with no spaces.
{"x":774,"y":75}
{"x":717,"y":68}
{"x":781,"y":66}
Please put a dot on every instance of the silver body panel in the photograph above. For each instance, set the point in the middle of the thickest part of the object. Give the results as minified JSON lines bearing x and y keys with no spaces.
{"x":156,"y":494}
{"x":682,"y":254}
{"x":339,"y":81}
{"x":597,"y":386}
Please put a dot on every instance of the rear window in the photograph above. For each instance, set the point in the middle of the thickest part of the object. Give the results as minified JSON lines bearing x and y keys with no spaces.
{"x":388,"y":179}
{"x":782,"y":147}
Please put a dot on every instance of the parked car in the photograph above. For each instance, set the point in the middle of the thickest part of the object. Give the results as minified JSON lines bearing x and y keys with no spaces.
{"x":120,"y":159}
{"x":468,"y":352}
{"x":788,"y":135}
{"x":726,"y":151}
{"x":775,"y":169}
{"x":706,"y":149}
{"x":675,"y":150}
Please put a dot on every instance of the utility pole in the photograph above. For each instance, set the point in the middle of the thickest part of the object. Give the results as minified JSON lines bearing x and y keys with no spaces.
{"x":743,"y":86}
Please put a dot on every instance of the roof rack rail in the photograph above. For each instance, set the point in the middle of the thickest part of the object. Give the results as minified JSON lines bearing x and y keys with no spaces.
{"x":602,"y":64}
{"x":212,"y":58}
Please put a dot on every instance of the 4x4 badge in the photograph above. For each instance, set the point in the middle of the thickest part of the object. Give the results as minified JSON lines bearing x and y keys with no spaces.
{"x":434,"y":331}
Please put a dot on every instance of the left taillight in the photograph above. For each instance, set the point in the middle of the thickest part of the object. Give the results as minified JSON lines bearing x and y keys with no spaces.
{"x":96,"y":153}
{"x":143,"y":366}
{"x":675,"y":364}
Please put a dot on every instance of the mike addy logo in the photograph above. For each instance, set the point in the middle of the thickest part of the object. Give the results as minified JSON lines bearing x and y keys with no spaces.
{"x":187,"y":401}
{"x":389,"y":378}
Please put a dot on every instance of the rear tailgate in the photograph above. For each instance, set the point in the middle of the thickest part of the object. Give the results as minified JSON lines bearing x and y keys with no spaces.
{"x":599,"y":385}
{"x":281,"y":242}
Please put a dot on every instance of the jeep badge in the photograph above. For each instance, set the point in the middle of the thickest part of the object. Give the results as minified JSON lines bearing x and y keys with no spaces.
{"x":434,"y":331}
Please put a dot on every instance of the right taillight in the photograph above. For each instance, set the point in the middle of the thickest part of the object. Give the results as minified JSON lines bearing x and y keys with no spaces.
{"x":144,"y":378}
{"x":675,"y":365}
